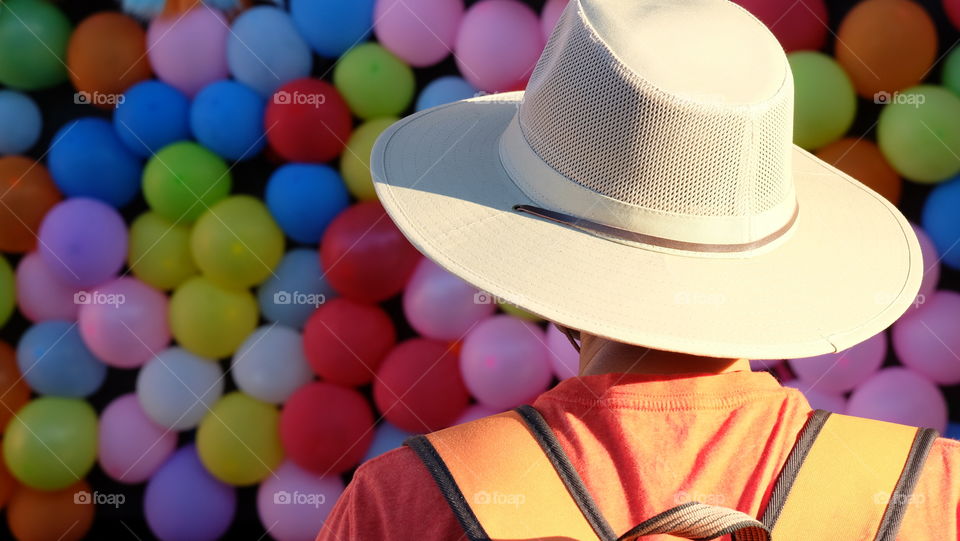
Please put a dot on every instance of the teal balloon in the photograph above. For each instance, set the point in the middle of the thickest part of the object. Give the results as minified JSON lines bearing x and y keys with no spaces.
{"x":33,"y":44}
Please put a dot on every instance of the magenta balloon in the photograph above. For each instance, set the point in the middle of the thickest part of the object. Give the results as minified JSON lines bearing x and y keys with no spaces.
{"x":476,"y":411}
{"x":931,"y":267}
{"x":419,"y":32}
{"x":900,"y":395}
{"x":504,"y":362}
{"x":440,"y":305}
{"x":498,"y":45}
{"x":564,"y":359}
{"x":294,"y":503}
{"x":83,"y":241}
{"x":132,"y":447}
{"x":818,"y":399}
{"x":41,"y":294}
{"x":928,"y":339}
{"x":189,"y":51}
{"x":124,"y":322}
{"x":841,"y":372}
{"x":550,"y":15}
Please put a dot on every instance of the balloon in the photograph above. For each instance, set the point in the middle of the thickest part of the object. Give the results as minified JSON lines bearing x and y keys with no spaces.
{"x":365,"y":256}
{"x":498,"y":45}
{"x":374,"y":82}
{"x":304,"y":199}
{"x":236,"y":243}
{"x":386,"y":438}
{"x":939,"y":222}
{"x":8,"y":291}
{"x":564,"y":359}
{"x":183,"y":180}
{"x":797,"y":26}
{"x":293,"y":115}
{"x":474,"y":412}
{"x":326,"y":429}
{"x":21,"y":121}
{"x":332,"y":26}
{"x":183,"y":502}
{"x":238,"y":441}
{"x":159,"y":253}
{"x":209,"y":320}
{"x":153,"y":115}
{"x":514,"y":310}
{"x":59,"y":515}
{"x":41,"y":295}
{"x":418,"y":386}
{"x":294,"y":503}
{"x":551,"y":15}
{"x":845,"y":370}
{"x":54,"y":361}
{"x":825,"y":103}
{"x":446,"y":89}
{"x":29,"y":193}
{"x":862,"y":160}
{"x":51,"y":443}
{"x":346,"y":340}
{"x":227,"y":118}
{"x":105,"y":56}
{"x":14,"y":392}
{"x":419,"y":32}
{"x":951,"y":68}
{"x":83,"y":241}
{"x":176,"y":388}
{"x":819,"y":399}
{"x":38,"y":32}
{"x":440,"y":305}
{"x":296,"y":288}
{"x":953,"y":431}
{"x":270,"y":364}
{"x":886,"y":45}
{"x":189,"y":50}
{"x":918,"y":136}
{"x":124,"y":322}
{"x":899,"y":395}
{"x":931,"y":266}
{"x":264,"y":50}
{"x":8,"y":485}
{"x":952,"y":7}
{"x":504,"y":362}
{"x":132,"y":447}
{"x":926,"y":339}
{"x":355,"y":162}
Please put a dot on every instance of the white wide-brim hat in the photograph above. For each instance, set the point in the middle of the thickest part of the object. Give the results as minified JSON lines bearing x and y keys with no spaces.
{"x":644,"y":188}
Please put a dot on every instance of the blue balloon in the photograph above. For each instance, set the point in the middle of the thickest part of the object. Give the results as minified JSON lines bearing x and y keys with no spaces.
{"x":54,"y":360}
{"x":305,"y":198}
{"x":20,"y":122}
{"x":227,"y":118}
{"x":87,"y":159}
{"x":295,"y":289}
{"x":386,"y":438}
{"x":265,"y":50}
{"x":333,"y":26}
{"x":953,"y":431}
{"x":152,"y":115}
{"x":939,"y":220}
{"x":446,"y":89}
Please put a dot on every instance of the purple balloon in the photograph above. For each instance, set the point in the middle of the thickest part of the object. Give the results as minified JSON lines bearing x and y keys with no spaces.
{"x":841,"y":372}
{"x":931,"y":267}
{"x":476,"y":411}
{"x":183,"y":502}
{"x":564,"y":359}
{"x":294,"y":503}
{"x":928,"y":340}
{"x":440,"y":305}
{"x":818,"y":399}
{"x":132,"y":447}
{"x":41,"y":294}
{"x":900,"y":395}
{"x":189,"y":51}
{"x":83,"y":241}
{"x":124,"y":322}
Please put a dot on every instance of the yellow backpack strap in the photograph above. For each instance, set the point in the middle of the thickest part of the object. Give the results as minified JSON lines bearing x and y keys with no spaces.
{"x":847,"y":478}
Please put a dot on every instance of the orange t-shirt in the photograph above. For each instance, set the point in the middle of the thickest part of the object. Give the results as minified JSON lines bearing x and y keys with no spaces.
{"x":644,"y":444}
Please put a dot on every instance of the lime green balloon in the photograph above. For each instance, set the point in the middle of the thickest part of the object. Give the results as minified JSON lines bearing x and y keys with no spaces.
{"x":355,"y":160}
{"x":824,"y":100}
{"x":8,"y":291}
{"x":515,"y":310}
{"x":239,"y":439}
{"x":33,"y":44}
{"x":951,"y":72}
{"x":183,"y":179}
{"x":210,"y":320}
{"x":919,"y":133}
{"x":374,"y":82}
{"x":51,"y":443}
{"x":160,"y":251}
{"x":236,"y":243}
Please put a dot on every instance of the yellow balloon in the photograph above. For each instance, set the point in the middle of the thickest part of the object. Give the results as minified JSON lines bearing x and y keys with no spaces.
{"x":355,"y":159}
{"x":239,"y":439}
{"x":209,"y":320}
{"x":515,"y":310}
{"x":160,"y":251}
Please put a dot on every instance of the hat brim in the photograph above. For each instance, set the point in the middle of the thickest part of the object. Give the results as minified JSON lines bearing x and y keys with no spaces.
{"x":850,"y":268}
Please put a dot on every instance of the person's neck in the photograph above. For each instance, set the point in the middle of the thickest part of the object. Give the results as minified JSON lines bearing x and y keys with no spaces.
{"x":600,"y":356}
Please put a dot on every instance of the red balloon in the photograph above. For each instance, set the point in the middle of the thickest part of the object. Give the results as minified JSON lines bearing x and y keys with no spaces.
{"x":325,"y":428}
{"x":364,"y":256}
{"x":952,"y":7}
{"x":345,"y":341}
{"x":307,"y":121}
{"x":419,"y":388}
{"x":798,"y":25}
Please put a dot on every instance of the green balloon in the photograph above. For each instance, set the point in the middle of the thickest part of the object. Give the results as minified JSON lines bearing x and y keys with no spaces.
{"x":236,"y":243}
{"x":374,"y":82}
{"x":515,"y":310}
{"x":239,"y":439}
{"x":33,"y":44}
{"x":8,"y":291}
{"x":825,"y":103}
{"x":183,"y":179}
{"x":209,"y":320}
{"x":951,"y":71}
{"x":919,"y":133}
{"x":355,"y":161}
{"x":51,"y":443}
{"x":159,"y":251}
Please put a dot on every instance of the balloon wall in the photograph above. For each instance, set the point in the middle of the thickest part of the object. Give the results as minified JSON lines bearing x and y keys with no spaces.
{"x":207,"y":321}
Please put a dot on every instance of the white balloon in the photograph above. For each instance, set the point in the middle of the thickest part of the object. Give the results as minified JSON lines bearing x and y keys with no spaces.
{"x":270,"y":364}
{"x":176,"y":388}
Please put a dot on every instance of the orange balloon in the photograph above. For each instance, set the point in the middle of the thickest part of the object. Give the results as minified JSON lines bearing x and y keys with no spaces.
{"x":107,"y":54}
{"x":60,"y":515}
{"x":886,"y":45}
{"x":27,"y":192}
{"x":7,"y":485}
{"x":14,"y":392}
{"x":862,"y":160}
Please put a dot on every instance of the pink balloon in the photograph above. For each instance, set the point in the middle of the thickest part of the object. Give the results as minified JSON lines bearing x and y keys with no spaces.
{"x":928,"y":340}
{"x":124,"y":322}
{"x":550,"y":15}
{"x":900,"y":395}
{"x":419,"y":32}
{"x":504,"y":362}
{"x":440,"y":305}
{"x":41,"y":295}
{"x":818,"y":399}
{"x":189,"y":51}
{"x":931,"y":267}
{"x":294,"y":503}
{"x":131,"y":446}
{"x":564,"y":359}
{"x":841,"y":372}
{"x":476,"y":411}
{"x":498,"y":45}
